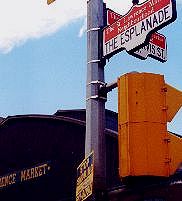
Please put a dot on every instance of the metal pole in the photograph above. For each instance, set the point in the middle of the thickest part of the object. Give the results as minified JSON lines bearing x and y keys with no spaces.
{"x":95,"y":105}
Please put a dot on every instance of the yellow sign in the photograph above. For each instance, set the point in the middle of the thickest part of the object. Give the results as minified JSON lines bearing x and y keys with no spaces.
{"x":24,"y":175}
{"x":50,"y":1}
{"x":85,"y":172}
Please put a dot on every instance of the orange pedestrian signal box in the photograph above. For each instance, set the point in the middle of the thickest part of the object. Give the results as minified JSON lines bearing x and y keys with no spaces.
{"x":145,"y":105}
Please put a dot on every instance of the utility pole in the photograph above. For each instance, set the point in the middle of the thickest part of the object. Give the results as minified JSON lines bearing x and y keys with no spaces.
{"x":95,"y":105}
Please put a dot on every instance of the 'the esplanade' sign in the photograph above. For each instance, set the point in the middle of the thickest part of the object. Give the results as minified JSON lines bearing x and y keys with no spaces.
{"x":155,"y":48}
{"x":131,"y":30}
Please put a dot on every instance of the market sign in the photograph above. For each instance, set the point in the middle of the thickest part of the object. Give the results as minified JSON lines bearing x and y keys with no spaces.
{"x":156,"y":48}
{"x":85,"y":172}
{"x":134,"y":29}
{"x":24,"y":175}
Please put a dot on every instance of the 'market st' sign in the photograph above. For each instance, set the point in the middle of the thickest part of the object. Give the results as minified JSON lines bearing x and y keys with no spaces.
{"x":132,"y":29}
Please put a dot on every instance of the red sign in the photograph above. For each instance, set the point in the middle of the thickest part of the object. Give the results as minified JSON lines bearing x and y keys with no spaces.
{"x":132,"y":30}
{"x":156,"y":48}
{"x":112,"y":16}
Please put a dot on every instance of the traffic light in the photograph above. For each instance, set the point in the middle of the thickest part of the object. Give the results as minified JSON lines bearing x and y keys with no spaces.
{"x":145,"y":105}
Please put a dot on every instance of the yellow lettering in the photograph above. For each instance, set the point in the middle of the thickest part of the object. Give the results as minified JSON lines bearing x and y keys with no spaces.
{"x":28,"y":176}
{"x":6,"y":181}
{"x":40,"y":171}
{"x":13,"y":178}
{"x":85,"y":174}
{"x":32,"y":172}
{"x":44,"y":168}
{"x":87,"y":190}
{"x":10,"y":179}
{"x":2,"y":182}
{"x":36,"y":172}
{"x":83,"y":194}
{"x":23,"y":175}
{"x":79,"y":197}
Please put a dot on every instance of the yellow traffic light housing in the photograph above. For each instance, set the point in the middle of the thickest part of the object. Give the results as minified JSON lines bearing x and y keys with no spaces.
{"x":173,"y":101}
{"x":144,"y":106}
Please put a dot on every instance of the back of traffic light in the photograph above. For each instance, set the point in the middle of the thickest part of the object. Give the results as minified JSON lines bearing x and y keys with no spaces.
{"x":145,"y":105}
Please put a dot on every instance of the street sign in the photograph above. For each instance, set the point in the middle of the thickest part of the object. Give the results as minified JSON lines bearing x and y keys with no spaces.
{"x":85,"y":173}
{"x":112,"y":16}
{"x":156,"y":48}
{"x":134,"y":29}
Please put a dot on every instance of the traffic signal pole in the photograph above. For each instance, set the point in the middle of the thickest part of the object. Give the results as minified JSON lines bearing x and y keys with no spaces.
{"x":95,"y":105}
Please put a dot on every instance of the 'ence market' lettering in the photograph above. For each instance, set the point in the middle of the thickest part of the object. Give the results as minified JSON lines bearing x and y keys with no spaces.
{"x":8,"y":180}
{"x":34,"y":172}
{"x":24,"y":175}
{"x":131,"y":30}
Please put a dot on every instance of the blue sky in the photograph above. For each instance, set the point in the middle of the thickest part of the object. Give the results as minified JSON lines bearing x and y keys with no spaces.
{"x":43,"y":69}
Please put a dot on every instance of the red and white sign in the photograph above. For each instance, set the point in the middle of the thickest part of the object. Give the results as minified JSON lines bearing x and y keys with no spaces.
{"x":156,"y":48}
{"x":131,"y":30}
{"x":112,"y":16}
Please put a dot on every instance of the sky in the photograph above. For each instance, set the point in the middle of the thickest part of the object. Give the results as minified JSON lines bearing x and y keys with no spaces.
{"x":43,"y":57}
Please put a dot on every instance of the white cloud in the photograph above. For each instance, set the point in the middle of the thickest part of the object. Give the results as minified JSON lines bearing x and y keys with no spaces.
{"x":24,"y":19}
{"x":83,"y":28}
{"x":21,"y":20}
